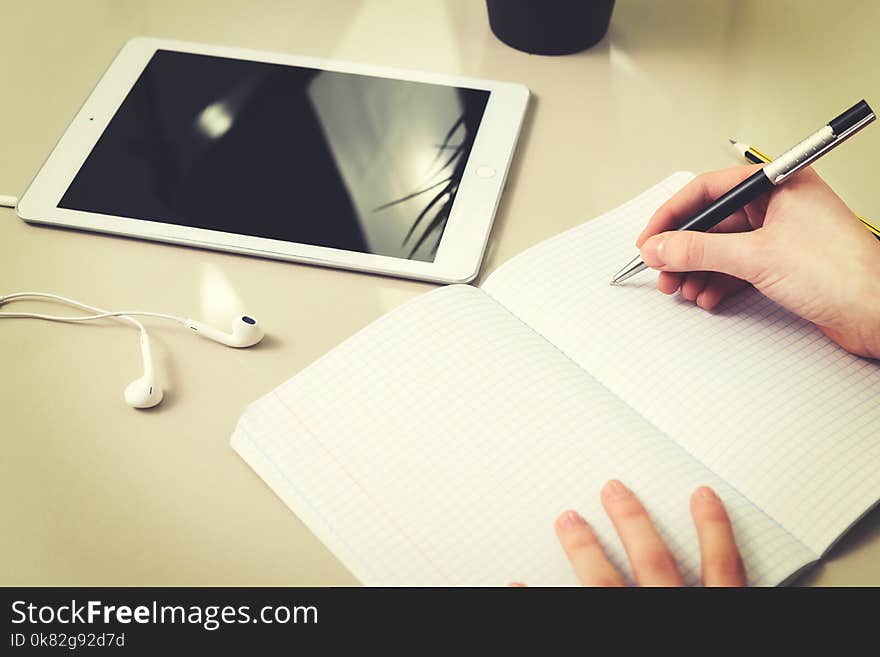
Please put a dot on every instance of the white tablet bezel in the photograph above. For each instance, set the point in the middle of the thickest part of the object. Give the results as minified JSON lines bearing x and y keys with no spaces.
{"x":467,"y":230}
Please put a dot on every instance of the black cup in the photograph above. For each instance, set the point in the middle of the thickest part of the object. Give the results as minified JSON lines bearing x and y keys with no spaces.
{"x":550,"y":27}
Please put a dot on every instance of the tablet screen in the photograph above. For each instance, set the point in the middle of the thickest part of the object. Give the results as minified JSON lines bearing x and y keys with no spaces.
{"x":332,"y":159}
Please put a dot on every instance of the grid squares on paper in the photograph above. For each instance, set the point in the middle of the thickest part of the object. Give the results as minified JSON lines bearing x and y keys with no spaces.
{"x":437,"y":446}
{"x":757,"y":394}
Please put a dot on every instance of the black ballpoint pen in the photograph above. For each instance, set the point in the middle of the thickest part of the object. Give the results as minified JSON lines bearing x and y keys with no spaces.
{"x":776,"y":172}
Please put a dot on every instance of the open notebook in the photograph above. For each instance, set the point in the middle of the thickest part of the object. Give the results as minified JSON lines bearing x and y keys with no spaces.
{"x":438,"y":445}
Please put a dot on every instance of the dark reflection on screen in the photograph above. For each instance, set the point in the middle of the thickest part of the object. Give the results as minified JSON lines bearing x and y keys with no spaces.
{"x":296,"y":154}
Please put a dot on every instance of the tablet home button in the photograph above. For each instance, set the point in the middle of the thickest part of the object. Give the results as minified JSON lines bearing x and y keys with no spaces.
{"x":485,"y":172}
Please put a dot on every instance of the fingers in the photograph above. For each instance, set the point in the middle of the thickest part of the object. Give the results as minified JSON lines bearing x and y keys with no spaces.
{"x":652,"y":562}
{"x":668,"y":282}
{"x":720,"y":558}
{"x":718,"y":288}
{"x":738,"y":254}
{"x":738,"y":222}
{"x":698,"y":193}
{"x":694,"y":284}
{"x":707,"y":289}
{"x":673,"y":251}
{"x":584,"y":552}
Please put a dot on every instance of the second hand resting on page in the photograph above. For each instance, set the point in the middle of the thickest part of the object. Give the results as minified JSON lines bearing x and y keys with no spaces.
{"x":652,"y":561}
{"x":802,"y":247}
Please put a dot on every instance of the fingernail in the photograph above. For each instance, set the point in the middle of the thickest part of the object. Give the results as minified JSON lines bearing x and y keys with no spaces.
{"x":652,"y":251}
{"x":706,"y":493}
{"x":614,"y":490}
{"x":570,"y":520}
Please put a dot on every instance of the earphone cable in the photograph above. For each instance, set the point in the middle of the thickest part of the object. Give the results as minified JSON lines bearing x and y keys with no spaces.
{"x":100,"y":312}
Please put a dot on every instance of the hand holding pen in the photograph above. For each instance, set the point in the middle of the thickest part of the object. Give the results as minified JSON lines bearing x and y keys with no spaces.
{"x":798,"y":245}
{"x":825,"y":139}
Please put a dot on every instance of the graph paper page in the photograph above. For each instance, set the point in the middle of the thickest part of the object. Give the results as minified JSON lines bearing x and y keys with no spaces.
{"x":439,"y":444}
{"x":761,"y":397}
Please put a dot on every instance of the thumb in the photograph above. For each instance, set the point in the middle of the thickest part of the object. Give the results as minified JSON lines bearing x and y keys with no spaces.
{"x":736,"y":254}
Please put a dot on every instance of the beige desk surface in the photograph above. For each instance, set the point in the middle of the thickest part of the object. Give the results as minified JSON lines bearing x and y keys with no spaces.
{"x":92,"y":492}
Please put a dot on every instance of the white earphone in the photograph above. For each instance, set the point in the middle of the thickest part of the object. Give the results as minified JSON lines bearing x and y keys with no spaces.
{"x":245,"y":332}
{"x":144,"y":392}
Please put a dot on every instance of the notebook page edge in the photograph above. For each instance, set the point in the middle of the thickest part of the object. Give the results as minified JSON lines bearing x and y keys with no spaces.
{"x":270,"y":475}
{"x":842,"y":534}
{"x":267,"y":470}
{"x":683,"y":176}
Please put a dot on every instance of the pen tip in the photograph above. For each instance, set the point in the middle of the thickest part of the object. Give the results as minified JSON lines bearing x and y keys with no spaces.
{"x":613,"y":282}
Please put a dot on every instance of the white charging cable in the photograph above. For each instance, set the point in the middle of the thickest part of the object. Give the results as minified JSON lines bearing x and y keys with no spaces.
{"x":8,"y":201}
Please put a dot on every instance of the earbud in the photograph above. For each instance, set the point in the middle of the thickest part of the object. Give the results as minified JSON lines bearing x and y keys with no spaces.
{"x":246,"y":332}
{"x":144,"y":392}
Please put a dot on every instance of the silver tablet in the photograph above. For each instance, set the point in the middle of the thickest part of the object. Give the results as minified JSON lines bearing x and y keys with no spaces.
{"x":316,"y":161}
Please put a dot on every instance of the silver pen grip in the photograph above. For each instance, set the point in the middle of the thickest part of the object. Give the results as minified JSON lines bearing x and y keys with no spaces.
{"x":800,"y":155}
